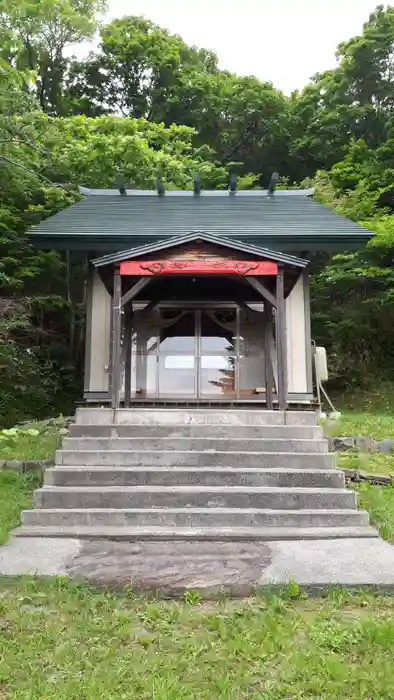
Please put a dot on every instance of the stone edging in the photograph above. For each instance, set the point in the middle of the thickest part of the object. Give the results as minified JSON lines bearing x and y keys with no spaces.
{"x":361,"y":444}
{"x":357,"y":477}
{"x":27,"y":466}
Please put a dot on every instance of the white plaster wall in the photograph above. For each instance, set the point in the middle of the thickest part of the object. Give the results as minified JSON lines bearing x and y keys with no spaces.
{"x":98,"y":344}
{"x":296,"y":343}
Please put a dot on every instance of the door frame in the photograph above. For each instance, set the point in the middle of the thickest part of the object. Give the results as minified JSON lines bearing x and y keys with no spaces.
{"x":191,"y":396}
{"x":198,"y":307}
{"x":201,"y":396}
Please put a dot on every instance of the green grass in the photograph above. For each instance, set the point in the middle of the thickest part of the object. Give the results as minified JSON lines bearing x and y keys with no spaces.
{"x":371,"y":463}
{"x":63,"y":642}
{"x":15,"y":495}
{"x":374,"y":397}
{"x":374,"y":425}
{"x":379,"y":502}
{"x":32,"y":447}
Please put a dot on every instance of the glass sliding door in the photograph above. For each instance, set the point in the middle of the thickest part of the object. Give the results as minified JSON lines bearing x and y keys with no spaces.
{"x":217,"y":356}
{"x":251,"y":352}
{"x":144,"y":374}
{"x":177,"y":353}
{"x":198,"y":353}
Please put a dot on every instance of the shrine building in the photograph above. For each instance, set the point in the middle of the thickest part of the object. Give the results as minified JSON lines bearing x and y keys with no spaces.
{"x":198,"y":297}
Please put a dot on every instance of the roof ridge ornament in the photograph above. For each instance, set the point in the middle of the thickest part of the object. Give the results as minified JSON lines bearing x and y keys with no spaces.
{"x":197,"y":185}
{"x":233,"y":183}
{"x":160,"y":187}
{"x":273,"y":183}
{"x":121,"y":185}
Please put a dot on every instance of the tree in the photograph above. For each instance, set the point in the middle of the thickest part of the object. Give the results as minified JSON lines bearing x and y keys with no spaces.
{"x":93,"y":151}
{"x":367,"y":67}
{"x":246,"y":121}
{"x":354,"y":101}
{"x":135,"y":72}
{"x":37,"y":369}
{"x":142,"y":70}
{"x":42,"y":293}
{"x":36,"y":34}
{"x":352,"y":297}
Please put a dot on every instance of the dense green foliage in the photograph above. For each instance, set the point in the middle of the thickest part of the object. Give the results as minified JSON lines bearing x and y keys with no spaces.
{"x":145,"y":103}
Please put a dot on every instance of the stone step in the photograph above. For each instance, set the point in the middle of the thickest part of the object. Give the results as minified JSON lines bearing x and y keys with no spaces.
{"x":269,"y":534}
{"x":205,"y":416}
{"x":197,"y":430}
{"x":203,"y":444}
{"x":194,"y":518}
{"x":219,"y":476}
{"x":173,"y":458}
{"x":192,"y":496}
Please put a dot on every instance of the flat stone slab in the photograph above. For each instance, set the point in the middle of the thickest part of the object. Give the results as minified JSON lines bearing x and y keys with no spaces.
{"x":358,"y":562}
{"x":45,"y":556}
{"x":233,"y":568}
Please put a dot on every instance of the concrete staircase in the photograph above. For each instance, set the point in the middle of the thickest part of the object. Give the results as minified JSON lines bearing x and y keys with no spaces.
{"x":195,"y":474}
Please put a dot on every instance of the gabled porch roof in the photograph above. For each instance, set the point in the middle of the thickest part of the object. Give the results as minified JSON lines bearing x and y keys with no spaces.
{"x":197,"y":236}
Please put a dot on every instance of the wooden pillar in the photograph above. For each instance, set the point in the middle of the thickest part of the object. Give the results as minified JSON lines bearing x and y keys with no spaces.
{"x":111,"y":332}
{"x":281,"y":340}
{"x":269,"y":370}
{"x":128,"y":338}
{"x":116,"y":339}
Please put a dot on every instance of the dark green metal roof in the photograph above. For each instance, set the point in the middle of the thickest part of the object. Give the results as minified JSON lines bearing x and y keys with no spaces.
{"x":206,"y":238}
{"x":289,"y":220}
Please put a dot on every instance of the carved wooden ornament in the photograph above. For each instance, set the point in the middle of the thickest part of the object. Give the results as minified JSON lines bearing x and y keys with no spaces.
{"x":207,"y":266}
